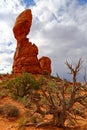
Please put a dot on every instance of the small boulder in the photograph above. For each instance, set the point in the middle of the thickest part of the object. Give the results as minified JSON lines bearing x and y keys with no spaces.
{"x":45,"y":63}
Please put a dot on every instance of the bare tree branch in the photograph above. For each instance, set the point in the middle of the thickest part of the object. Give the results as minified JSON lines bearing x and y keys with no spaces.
{"x":75,"y":70}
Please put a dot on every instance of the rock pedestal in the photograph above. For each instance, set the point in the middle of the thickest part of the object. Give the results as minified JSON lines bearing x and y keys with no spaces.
{"x":25,"y":58}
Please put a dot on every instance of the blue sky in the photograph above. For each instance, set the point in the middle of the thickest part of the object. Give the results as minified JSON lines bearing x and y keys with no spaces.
{"x":27,"y":3}
{"x":81,"y":2}
{"x":59,"y":29}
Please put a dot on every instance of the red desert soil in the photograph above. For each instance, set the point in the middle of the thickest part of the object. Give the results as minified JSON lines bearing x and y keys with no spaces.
{"x":11,"y":124}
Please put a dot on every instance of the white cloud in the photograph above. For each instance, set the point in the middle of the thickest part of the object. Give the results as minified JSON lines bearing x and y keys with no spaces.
{"x":8,"y":11}
{"x":60,"y":30}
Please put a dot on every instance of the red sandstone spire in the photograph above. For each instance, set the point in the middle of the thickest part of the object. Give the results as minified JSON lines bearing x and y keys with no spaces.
{"x":25,"y":58}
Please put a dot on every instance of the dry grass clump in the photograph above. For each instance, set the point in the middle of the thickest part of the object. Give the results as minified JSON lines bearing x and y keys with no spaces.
{"x":9,"y":110}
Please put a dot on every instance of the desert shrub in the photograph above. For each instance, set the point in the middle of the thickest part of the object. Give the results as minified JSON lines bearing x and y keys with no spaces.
{"x":23,"y":85}
{"x":9,"y":110}
{"x":3,"y":93}
{"x":29,"y":119}
{"x":24,"y":100}
{"x":22,"y":123}
{"x":3,"y":90}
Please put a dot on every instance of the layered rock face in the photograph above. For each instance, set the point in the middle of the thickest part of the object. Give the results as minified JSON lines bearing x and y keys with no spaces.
{"x":25,"y":58}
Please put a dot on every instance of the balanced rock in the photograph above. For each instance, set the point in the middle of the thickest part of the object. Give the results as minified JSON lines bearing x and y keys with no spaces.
{"x":25,"y":58}
{"x":22,"y":24}
{"x":45,"y":63}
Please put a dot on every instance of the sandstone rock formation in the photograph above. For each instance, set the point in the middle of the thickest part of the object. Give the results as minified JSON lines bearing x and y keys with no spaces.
{"x":45,"y":64}
{"x":25,"y":58}
{"x":22,"y":25}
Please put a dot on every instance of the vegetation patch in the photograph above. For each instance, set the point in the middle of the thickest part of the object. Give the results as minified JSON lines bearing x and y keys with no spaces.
{"x":9,"y":110}
{"x":49,"y":101}
{"x":22,"y":85}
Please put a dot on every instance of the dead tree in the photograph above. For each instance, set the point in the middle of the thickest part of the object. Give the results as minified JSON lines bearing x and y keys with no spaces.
{"x":59,"y":102}
{"x":74,"y":72}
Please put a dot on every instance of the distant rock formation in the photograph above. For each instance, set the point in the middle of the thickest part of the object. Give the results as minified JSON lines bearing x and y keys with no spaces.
{"x":25,"y":58}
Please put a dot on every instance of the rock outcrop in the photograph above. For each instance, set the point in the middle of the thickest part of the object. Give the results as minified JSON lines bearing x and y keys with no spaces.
{"x":25,"y":58}
{"x":45,"y":64}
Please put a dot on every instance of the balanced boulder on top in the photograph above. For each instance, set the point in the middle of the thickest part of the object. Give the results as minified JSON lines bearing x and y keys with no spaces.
{"x":25,"y":57}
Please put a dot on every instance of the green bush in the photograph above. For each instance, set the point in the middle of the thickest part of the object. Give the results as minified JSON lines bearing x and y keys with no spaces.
{"x":9,"y":110}
{"x":23,"y":85}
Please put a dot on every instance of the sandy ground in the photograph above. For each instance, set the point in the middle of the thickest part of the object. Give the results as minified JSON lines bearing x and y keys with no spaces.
{"x":11,"y":124}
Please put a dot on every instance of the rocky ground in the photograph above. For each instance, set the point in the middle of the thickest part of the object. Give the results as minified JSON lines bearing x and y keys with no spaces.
{"x":14,"y":123}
